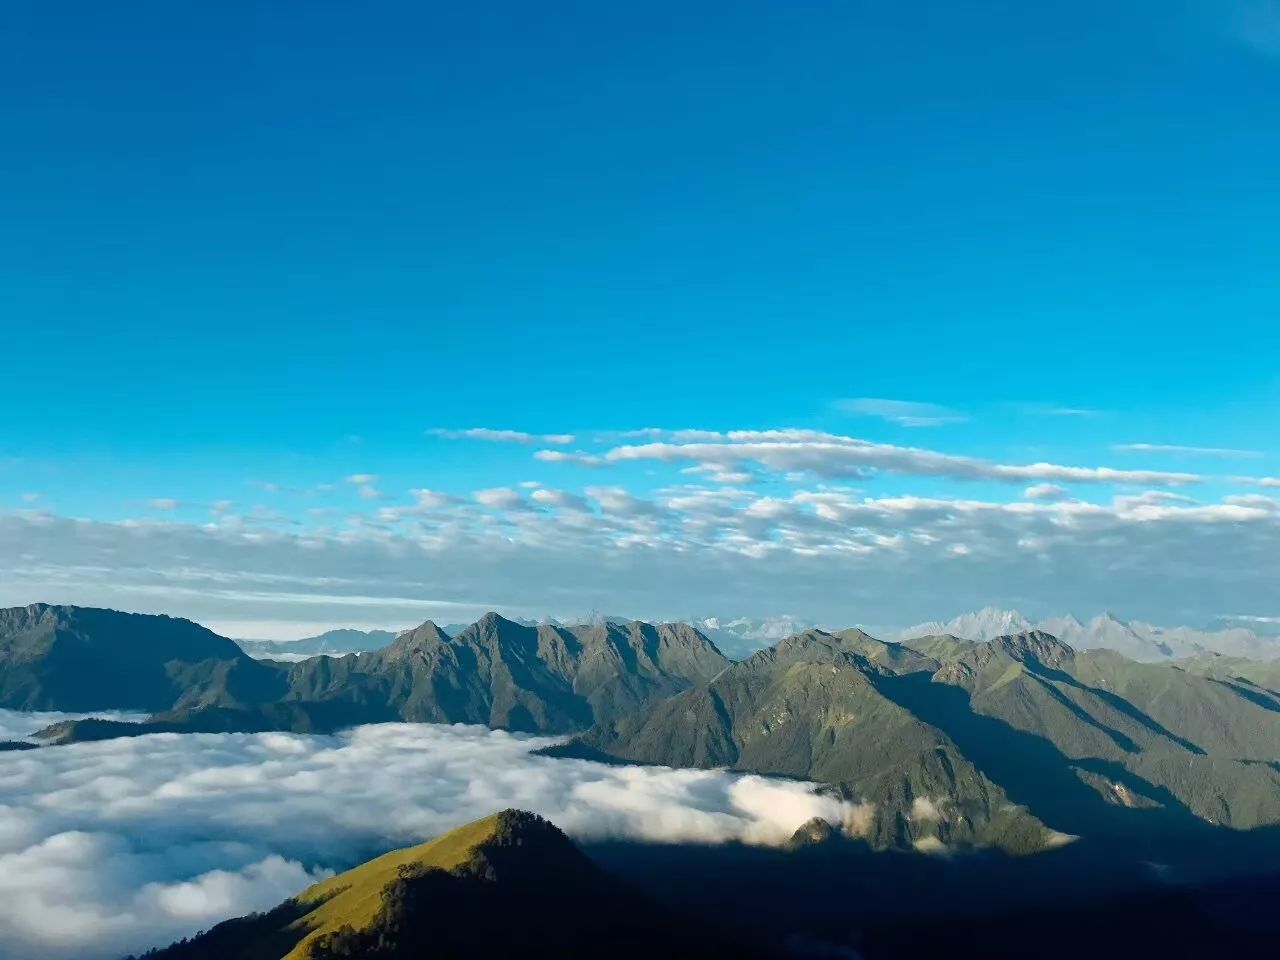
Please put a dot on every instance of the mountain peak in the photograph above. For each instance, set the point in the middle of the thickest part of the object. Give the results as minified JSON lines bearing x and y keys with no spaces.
{"x":1034,"y":645}
{"x":494,"y":627}
{"x":425,"y":635}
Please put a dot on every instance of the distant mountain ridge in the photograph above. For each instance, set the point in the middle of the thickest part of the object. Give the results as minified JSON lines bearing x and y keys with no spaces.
{"x":1133,"y":638}
{"x":535,"y":679}
{"x":739,"y":637}
{"x":331,"y":643}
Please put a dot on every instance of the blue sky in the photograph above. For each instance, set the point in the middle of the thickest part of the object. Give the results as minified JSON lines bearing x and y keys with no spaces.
{"x":248,"y":251}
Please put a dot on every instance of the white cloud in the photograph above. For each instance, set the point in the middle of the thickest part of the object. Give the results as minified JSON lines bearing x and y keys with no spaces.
{"x":617,"y":500}
{"x":836,"y":555}
{"x":1179,"y":450}
{"x":562,"y":499}
{"x":113,"y":847}
{"x":905,"y":413}
{"x":499,"y":498}
{"x":163,"y":503}
{"x":362,"y":479}
{"x":924,"y":810}
{"x":1044,"y":491}
{"x":561,"y":456}
{"x":833,"y":456}
{"x":502,"y":436}
{"x":434,"y":499}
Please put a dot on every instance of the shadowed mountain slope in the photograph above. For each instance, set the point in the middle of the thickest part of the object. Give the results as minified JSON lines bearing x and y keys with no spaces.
{"x":82,"y":659}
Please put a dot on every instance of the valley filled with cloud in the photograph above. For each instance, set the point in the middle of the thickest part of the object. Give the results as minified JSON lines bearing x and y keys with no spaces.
{"x":115,"y":847}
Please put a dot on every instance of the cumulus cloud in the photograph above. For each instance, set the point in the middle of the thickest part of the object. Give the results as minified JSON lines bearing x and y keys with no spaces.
{"x":499,"y":498}
{"x":362,"y":479}
{"x":905,"y":413}
{"x":163,"y":503}
{"x":578,"y":457}
{"x":835,"y":554}
{"x":501,"y":436}
{"x":434,"y":499}
{"x":107,"y":848}
{"x":1044,"y":491}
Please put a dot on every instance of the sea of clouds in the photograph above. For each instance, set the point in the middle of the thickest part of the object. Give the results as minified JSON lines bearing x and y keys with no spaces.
{"x":114,"y":847}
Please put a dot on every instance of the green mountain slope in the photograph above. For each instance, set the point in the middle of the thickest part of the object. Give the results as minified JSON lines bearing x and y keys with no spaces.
{"x":1146,"y":756}
{"x":1140,"y":734}
{"x":810,"y":707}
{"x":508,"y":885}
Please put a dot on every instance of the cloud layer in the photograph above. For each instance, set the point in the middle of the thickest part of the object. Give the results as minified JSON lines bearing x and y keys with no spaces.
{"x":671,"y":523}
{"x":107,"y":848}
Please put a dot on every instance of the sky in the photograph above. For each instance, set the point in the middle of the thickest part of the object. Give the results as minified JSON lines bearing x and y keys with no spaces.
{"x":870,"y":312}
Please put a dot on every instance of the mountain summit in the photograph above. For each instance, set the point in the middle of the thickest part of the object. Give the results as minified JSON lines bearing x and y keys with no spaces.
{"x":508,"y":885}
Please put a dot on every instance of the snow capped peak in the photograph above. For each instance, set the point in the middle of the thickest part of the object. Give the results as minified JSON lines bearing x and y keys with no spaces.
{"x":985,"y":624}
{"x":1134,"y":639}
{"x":743,"y":636}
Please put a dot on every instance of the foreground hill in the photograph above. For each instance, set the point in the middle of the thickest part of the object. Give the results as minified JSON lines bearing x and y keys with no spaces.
{"x":537,"y":679}
{"x":961,"y":743}
{"x":509,"y":885}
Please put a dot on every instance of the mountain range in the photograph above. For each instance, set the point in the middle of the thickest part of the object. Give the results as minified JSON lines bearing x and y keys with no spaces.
{"x":537,"y":679}
{"x":1019,"y":743}
{"x":739,"y":637}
